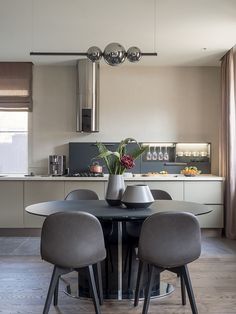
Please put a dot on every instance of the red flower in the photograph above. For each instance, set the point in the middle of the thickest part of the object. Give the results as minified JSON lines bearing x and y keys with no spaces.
{"x":127,"y":161}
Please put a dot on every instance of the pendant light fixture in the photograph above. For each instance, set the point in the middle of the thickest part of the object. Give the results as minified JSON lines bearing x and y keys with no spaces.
{"x":113,"y":54}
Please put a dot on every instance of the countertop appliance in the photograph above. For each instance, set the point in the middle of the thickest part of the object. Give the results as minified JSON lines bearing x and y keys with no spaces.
{"x":56,"y":165}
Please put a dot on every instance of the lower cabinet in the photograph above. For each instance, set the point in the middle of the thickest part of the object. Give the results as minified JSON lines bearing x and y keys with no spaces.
{"x":214,"y":219}
{"x":205,"y":192}
{"x":211,"y":194}
{"x":37,"y":192}
{"x":16,"y":195}
{"x":175,"y":189}
{"x":98,"y":187}
{"x":11,"y":204}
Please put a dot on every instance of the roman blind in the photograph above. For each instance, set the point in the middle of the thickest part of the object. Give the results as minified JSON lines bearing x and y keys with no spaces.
{"x":16,"y":86}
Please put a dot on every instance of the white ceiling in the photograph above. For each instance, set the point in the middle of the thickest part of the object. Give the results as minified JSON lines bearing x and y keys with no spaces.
{"x":177,"y":29}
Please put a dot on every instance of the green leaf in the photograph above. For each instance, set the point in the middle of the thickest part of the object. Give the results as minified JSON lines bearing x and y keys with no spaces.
{"x":138,"y":151}
{"x":112,"y":159}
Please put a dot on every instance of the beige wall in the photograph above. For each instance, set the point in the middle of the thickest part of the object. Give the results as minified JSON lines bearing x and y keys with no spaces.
{"x":149,"y":104}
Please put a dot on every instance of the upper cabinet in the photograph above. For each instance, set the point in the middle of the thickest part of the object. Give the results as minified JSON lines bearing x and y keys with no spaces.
{"x":172,"y":157}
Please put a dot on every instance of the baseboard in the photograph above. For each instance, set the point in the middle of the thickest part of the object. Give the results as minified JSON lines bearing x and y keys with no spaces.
{"x":20,"y":232}
{"x":211,"y":233}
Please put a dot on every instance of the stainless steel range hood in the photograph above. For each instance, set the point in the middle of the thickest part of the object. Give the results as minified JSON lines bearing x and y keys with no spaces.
{"x":88,"y":87}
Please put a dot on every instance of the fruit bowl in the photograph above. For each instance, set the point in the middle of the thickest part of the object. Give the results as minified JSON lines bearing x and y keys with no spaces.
{"x":190,"y":171}
{"x":190,"y":175}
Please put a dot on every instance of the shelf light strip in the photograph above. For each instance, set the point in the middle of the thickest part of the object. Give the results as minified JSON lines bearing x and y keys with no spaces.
{"x":158,"y":144}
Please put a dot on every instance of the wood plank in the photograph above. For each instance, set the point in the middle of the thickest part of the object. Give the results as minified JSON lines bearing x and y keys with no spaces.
{"x":24,"y":282}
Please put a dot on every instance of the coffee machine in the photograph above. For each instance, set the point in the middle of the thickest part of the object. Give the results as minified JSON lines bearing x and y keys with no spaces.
{"x":56,"y":165}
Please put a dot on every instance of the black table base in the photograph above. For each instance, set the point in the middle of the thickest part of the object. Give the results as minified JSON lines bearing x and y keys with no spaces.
{"x":79,"y":288}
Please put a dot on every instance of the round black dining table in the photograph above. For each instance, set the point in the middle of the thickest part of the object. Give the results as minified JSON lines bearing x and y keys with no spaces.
{"x":119,"y":214}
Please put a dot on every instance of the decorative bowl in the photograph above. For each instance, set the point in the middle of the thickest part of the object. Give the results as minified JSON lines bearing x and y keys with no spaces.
{"x":137,"y":196}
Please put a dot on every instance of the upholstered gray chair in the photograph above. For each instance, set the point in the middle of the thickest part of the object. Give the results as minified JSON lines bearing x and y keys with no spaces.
{"x":168,"y":241}
{"x":81,"y":194}
{"x":71,"y":241}
{"x":107,"y":227}
{"x":133,"y":230}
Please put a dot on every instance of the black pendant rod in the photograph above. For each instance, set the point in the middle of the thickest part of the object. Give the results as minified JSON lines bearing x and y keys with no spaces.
{"x":37,"y":53}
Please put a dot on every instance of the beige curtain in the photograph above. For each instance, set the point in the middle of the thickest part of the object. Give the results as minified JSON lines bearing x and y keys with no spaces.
{"x":228,"y":139}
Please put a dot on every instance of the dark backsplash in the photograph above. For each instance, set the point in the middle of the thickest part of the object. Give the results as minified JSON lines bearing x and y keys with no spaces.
{"x":82,"y":155}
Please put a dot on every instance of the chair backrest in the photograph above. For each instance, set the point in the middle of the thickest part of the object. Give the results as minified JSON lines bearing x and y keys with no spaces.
{"x":72,"y":239}
{"x":170,"y":239}
{"x":134,"y":228}
{"x":160,"y":195}
{"x":81,"y":194}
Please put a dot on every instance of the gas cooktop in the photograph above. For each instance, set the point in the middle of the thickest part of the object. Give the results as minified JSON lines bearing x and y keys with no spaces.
{"x":85,"y":174}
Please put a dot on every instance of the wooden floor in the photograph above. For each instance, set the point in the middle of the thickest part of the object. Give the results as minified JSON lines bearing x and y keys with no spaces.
{"x":24,"y":281}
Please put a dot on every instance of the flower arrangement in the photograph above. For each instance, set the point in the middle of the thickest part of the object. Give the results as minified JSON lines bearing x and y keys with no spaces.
{"x":117,"y":162}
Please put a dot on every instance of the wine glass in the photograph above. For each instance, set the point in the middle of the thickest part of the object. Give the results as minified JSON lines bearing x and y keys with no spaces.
{"x":160,"y":154}
{"x":149,"y":154}
{"x":154,"y":154}
{"x":166,"y":155}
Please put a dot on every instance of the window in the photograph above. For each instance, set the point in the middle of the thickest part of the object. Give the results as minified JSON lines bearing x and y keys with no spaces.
{"x":15,"y":103}
{"x":13,"y":142}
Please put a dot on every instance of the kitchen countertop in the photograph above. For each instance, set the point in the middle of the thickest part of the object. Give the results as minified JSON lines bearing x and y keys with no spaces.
{"x":136,"y":177}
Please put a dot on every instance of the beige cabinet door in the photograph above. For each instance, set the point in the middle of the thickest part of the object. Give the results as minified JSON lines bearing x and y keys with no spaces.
{"x":214,"y":219}
{"x":205,"y":192}
{"x":98,"y":187}
{"x":175,"y":189}
{"x":133,"y":182}
{"x":11,"y":204}
{"x":37,"y":192}
{"x":210,"y":193}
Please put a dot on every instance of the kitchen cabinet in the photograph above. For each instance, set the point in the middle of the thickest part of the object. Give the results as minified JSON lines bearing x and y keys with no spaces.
{"x":17,"y":194}
{"x":11,"y":205}
{"x":214,"y":219}
{"x":37,"y":192}
{"x":98,"y":187}
{"x":174,"y":188}
{"x":133,"y":183}
{"x":211,"y":194}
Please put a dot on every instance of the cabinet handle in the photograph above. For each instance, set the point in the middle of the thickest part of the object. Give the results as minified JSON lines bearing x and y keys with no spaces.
{"x":175,"y":163}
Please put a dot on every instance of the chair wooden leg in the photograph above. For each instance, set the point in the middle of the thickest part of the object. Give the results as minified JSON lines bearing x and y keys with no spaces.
{"x":148,"y":290}
{"x":99,"y":283}
{"x":94,"y":289}
{"x":185,"y":274}
{"x":183,"y":290}
{"x":57,"y":272}
{"x":138,"y":284}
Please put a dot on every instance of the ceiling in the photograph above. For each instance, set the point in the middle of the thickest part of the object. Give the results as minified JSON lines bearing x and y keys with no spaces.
{"x":183,"y":32}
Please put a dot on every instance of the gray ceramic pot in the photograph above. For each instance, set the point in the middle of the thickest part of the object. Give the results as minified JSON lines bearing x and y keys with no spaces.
{"x":115,"y":189}
{"x":137,"y":196}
